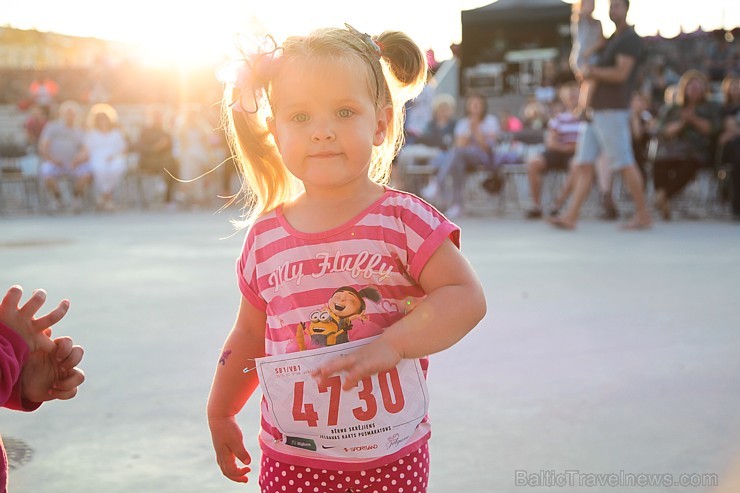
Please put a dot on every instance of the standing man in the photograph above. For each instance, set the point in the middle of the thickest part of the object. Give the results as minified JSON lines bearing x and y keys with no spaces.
{"x":63,"y":154}
{"x":609,"y":131}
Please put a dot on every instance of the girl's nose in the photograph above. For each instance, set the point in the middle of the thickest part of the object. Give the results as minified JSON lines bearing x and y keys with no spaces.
{"x":322,"y":132}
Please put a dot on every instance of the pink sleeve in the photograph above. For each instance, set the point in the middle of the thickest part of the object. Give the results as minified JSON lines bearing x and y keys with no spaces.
{"x":13,"y":355}
{"x":426,"y":230}
{"x":246,"y":273}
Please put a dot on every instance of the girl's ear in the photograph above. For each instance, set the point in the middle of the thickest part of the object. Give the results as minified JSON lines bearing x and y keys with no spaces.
{"x":384,"y":117}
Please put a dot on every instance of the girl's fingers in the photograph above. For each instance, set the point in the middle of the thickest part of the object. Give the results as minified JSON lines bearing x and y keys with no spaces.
{"x":13,"y":297}
{"x":44,"y":343}
{"x":53,"y":316}
{"x":70,"y":383}
{"x":229,"y":468}
{"x":33,"y":304}
{"x":64,"y":347}
{"x":63,"y":395}
{"x":72,"y":359}
{"x":335,"y":365}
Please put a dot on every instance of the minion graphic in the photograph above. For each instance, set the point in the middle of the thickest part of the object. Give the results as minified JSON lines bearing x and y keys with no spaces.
{"x":330,"y":325}
{"x":323,"y":329}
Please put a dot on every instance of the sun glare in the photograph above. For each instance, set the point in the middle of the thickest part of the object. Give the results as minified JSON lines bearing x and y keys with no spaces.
{"x":187,"y":34}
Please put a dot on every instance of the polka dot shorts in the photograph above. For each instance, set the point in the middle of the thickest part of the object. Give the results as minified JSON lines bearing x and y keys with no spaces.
{"x":409,"y":474}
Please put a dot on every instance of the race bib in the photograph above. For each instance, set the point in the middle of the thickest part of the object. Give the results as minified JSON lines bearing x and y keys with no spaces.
{"x":374,"y":419}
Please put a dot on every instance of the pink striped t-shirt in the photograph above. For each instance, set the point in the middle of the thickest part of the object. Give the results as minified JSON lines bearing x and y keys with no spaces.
{"x":365,"y":272}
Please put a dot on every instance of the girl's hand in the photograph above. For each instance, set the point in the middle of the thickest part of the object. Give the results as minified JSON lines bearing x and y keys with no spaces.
{"x":22,"y":320}
{"x":228,"y":443}
{"x":54,"y":375}
{"x":379,"y":355}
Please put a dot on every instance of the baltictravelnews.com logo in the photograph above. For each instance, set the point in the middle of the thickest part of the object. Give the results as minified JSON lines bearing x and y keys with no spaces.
{"x":573,"y":477}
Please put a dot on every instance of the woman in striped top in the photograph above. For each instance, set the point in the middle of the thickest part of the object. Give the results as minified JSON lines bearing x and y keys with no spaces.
{"x":347,"y":285}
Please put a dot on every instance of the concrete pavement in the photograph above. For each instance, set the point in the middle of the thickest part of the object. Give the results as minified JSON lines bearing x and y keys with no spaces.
{"x":603,"y":351}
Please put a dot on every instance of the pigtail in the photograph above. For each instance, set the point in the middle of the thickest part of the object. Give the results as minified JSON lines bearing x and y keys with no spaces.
{"x":370,"y":293}
{"x":266,"y":182}
{"x":407,"y":63}
{"x":405,"y":72}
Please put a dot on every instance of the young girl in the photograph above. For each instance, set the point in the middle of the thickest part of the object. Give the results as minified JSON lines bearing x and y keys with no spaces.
{"x":588,"y":38}
{"x":315,"y":125}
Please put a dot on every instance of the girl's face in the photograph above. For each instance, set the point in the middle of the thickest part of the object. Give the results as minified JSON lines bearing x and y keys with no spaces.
{"x":475,"y":107}
{"x":102,"y":122}
{"x":345,"y":304}
{"x":325,"y":123}
{"x":444,"y":112}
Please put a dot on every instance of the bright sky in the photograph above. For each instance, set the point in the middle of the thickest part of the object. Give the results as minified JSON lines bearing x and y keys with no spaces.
{"x":185,"y":31}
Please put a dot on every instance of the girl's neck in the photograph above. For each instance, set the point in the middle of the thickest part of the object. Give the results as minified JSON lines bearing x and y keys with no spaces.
{"x":319,"y":210}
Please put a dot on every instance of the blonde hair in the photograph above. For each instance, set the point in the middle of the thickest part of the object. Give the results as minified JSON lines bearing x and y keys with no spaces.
{"x":442,"y":99}
{"x":726,"y":88}
{"x":395,"y":77}
{"x":684,"y":81}
{"x":102,"y":109}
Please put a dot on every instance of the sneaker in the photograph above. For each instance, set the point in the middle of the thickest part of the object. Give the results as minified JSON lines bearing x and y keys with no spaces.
{"x":454,"y":211}
{"x":430,"y":190}
{"x":534,"y":213}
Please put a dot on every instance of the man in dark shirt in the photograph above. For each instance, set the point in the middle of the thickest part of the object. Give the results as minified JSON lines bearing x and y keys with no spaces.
{"x":609,"y":131}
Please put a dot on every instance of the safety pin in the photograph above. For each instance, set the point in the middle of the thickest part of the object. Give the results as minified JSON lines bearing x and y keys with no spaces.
{"x":248,"y":369}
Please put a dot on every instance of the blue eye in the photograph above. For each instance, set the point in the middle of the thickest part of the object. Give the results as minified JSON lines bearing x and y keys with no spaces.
{"x":345,"y":113}
{"x":300,"y":117}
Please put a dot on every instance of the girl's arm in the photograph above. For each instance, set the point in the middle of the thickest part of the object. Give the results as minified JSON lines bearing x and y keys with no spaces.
{"x":455,"y":303}
{"x":594,"y":48}
{"x":232,"y":388}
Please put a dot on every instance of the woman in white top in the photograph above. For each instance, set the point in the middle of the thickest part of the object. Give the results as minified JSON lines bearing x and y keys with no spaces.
{"x":107,"y":148}
{"x":474,"y":142}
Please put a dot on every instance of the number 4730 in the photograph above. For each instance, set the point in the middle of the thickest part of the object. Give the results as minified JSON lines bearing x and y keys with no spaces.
{"x":391,"y":394}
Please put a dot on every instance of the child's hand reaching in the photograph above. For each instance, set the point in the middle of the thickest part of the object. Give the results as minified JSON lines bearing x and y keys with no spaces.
{"x":53,"y":375}
{"x":228,"y":443}
{"x":22,"y":320}
{"x":379,"y":355}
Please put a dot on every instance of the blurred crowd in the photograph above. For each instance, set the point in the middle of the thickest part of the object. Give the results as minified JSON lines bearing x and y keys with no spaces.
{"x":85,"y":155}
{"x":684,"y":119}
{"x":85,"y":152}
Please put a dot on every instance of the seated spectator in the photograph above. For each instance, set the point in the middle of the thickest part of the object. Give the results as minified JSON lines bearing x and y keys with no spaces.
{"x":107,"y":148}
{"x":43,"y":91}
{"x":475,"y":139}
{"x":685,"y":132}
{"x":63,"y":154}
{"x":560,"y":145}
{"x":34,"y":125}
{"x":418,"y":113}
{"x":535,"y":114}
{"x":437,"y":137}
{"x":155,"y":152}
{"x":729,"y":139}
